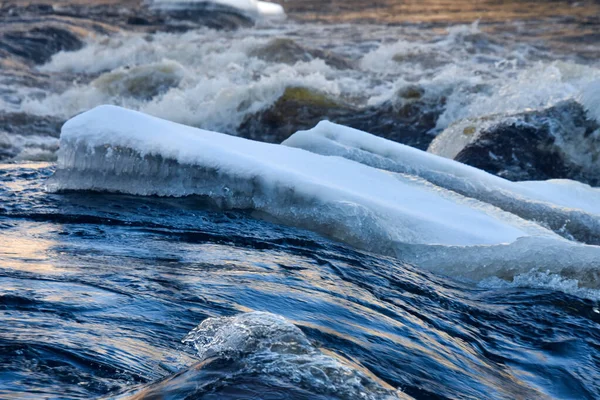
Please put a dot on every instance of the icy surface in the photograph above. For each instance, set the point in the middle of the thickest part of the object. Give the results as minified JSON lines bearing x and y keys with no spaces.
{"x":114,"y":149}
{"x":568,"y":207}
{"x":250,"y":8}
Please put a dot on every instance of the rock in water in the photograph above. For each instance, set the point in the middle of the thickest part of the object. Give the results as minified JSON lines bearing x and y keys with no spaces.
{"x":559,"y":142}
{"x":38,"y":44}
{"x":408,"y":118}
{"x":141,"y":82}
{"x":297,"y":108}
{"x":287,"y":51}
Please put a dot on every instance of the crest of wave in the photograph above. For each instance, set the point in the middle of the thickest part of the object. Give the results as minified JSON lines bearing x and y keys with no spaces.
{"x":590,"y":98}
{"x":273,"y":346}
{"x":260,"y":352}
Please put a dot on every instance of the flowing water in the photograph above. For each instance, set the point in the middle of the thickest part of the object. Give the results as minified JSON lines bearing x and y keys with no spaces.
{"x":100,"y":293}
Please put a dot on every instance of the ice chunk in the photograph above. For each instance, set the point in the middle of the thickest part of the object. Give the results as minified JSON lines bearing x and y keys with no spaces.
{"x":250,"y":8}
{"x":570,"y":208}
{"x":114,"y":149}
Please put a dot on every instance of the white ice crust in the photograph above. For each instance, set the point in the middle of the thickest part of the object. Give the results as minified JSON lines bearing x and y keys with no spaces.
{"x":113,"y":149}
{"x":526,"y":199}
{"x":251,"y":8}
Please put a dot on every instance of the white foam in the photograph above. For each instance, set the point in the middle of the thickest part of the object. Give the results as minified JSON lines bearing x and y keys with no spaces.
{"x":28,"y":148}
{"x":479,"y":74}
{"x":113,"y":149}
{"x":590,"y":98}
{"x":269,"y":344}
{"x":543,"y":280}
{"x":219,"y":84}
{"x":465,"y":73}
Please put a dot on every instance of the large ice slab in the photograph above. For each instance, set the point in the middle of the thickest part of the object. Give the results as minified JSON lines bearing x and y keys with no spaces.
{"x":568,"y":207}
{"x":118,"y":150}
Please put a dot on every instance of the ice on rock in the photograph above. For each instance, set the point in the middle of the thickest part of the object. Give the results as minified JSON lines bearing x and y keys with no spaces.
{"x":568,"y":207}
{"x":113,"y":149}
{"x":251,"y":8}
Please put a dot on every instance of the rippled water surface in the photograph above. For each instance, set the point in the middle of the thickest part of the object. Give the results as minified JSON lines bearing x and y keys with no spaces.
{"x":99,"y":290}
{"x":100,"y":293}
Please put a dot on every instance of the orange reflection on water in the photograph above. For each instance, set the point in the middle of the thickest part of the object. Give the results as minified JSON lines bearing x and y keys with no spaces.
{"x":448,"y":11}
{"x":27,"y":248}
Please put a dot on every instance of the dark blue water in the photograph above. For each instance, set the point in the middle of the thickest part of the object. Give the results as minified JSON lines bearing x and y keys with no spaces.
{"x":98,"y":291}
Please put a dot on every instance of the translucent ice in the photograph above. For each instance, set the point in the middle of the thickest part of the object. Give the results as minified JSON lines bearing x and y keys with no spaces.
{"x":114,"y":149}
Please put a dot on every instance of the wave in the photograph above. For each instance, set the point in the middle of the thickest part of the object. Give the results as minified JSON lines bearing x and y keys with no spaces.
{"x":239,"y":82}
{"x":116,"y":150}
{"x":259,"y":350}
{"x":14,"y":147}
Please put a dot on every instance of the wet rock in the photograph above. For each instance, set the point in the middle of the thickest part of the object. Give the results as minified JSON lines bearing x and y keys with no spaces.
{"x":407,"y":119}
{"x":199,"y":16}
{"x":298,"y":108}
{"x":559,"y":142}
{"x":287,"y":51}
{"x":141,"y":82}
{"x":30,"y":125}
{"x":38,"y":44}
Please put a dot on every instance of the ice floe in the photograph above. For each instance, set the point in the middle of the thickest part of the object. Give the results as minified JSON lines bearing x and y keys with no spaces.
{"x":399,"y":213}
{"x":568,"y":207}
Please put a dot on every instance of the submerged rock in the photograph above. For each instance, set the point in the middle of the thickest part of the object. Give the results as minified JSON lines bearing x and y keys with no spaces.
{"x":287,"y":51}
{"x":407,"y":119}
{"x":559,"y":142}
{"x":297,"y":108}
{"x":141,"y":82}
{"x":38,"y":44}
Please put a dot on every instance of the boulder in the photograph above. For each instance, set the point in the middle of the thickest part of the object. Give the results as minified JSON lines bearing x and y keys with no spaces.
{"x":559,"y":142}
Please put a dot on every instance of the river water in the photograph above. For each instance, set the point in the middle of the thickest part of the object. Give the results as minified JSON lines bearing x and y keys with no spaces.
{"x":98,"y":292}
